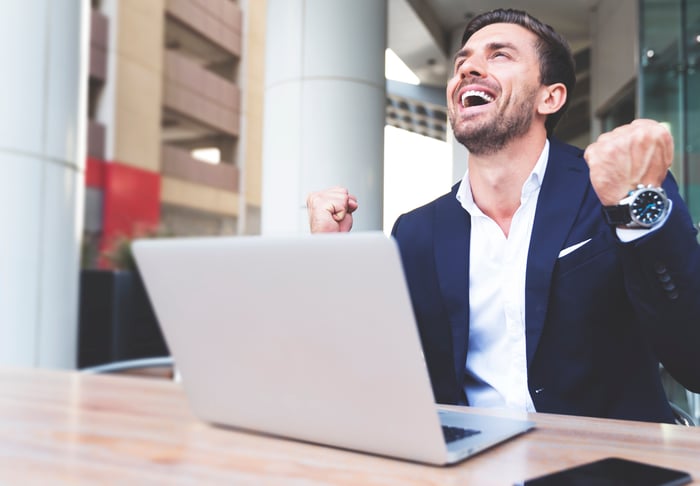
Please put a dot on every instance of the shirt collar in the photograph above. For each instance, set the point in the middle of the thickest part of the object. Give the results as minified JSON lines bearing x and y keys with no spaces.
{"x":532,"y":184}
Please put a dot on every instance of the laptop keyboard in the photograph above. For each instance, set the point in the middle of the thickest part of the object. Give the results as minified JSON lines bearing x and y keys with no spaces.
{"x":456,"y":433}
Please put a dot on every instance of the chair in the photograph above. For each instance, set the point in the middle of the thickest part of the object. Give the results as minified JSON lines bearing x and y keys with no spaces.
{"x":684,"y":404}
{"x":682,"y":417}
{"x":694,"y":405}
{"x":161,"y":366}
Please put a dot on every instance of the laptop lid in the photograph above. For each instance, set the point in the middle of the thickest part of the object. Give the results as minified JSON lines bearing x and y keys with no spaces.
{"x":306,"y":337}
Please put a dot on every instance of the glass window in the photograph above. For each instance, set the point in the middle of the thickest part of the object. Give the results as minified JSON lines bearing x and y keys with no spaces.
{"x":669,"y":84}
{"x":692,"y":106}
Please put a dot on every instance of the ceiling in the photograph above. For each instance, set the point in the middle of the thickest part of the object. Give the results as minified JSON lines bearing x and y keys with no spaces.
{"x":424,"y":33}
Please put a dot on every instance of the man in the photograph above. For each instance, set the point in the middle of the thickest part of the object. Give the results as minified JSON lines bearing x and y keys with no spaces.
{"x":527,"y":294}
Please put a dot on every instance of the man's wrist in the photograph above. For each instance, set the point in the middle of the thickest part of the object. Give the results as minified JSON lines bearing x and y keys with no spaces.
{"x":643,"y":207}
{"x":626,"y":235}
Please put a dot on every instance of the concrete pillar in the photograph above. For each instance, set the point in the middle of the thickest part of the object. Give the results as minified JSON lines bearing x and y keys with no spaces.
{"x":324,"y":108}
{"x":460,"y":154}
{"x":43,"y":51}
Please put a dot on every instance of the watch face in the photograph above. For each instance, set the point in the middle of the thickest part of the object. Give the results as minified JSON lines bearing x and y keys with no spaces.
{"x":648,"y":207}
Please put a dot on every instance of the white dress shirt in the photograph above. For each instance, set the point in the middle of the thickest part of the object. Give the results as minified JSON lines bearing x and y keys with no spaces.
{"x":496,"y":367}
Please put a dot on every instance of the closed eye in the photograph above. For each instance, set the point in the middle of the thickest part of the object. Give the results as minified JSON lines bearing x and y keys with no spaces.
{"x":502,"y":49}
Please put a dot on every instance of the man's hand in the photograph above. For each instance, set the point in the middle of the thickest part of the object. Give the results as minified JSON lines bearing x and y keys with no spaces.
{"x":638,"y":153}
{"x":330,"y":211}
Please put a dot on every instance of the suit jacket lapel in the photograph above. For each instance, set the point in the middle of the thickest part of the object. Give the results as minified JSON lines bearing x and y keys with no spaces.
{"x":562,"y":190}
{"x":452,"y":233}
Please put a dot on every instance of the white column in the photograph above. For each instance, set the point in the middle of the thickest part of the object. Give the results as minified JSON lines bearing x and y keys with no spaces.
{"x":43,"y":52}
{"x":460,"y":154}
{"x":324,"y":108}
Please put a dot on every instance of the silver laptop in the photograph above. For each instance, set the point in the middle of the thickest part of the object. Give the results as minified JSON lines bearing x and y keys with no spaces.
{"x":306,"y":337}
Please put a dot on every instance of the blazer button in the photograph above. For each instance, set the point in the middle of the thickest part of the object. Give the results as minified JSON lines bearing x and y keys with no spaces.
{"x":660,"y":268}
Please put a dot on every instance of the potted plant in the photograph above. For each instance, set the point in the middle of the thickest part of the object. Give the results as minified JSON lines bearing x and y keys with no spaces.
{"x":116,"y":318}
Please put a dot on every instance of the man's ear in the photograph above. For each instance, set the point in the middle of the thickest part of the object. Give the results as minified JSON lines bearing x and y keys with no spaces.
{"x":552,"y":98}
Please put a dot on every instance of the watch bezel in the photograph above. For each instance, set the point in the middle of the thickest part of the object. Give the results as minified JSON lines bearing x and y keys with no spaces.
{"x":662,"y":205}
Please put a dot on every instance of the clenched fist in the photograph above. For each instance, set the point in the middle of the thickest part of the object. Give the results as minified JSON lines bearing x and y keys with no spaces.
{"x":638,"y":153}
{"x":330,"y":211}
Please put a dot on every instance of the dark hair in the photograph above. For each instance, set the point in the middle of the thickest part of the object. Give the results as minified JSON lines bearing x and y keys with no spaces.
{"x":556,"y":60}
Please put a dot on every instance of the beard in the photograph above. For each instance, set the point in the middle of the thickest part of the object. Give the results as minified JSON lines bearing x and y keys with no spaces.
{"x":491,"y":136}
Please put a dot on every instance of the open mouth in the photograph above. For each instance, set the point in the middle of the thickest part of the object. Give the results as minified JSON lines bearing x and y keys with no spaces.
{"x":475,"y":97}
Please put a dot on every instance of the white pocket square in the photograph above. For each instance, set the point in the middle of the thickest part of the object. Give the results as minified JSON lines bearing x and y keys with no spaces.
{"x":572,"y":248}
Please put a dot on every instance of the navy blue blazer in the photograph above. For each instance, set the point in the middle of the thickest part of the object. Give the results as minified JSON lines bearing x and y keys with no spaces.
{"x":598,"y":320}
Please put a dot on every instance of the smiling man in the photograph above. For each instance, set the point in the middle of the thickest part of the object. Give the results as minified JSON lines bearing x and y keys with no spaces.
{"x":549,"y":279}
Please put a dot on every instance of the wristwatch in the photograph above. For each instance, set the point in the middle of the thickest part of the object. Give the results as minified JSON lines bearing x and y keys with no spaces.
{"x":642,"y":208}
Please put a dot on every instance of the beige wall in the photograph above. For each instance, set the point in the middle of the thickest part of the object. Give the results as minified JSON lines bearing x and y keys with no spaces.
{"x":614,"y":60}
{"x":254,"y":82}
{"x":198,"y":196}
{"x":139,"y":79}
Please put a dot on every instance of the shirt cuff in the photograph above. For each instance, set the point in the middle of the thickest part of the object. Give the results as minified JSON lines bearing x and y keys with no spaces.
{"x":627,"y":235}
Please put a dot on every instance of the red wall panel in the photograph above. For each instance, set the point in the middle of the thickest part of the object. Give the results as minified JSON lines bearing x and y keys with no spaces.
{"x":94,"y":173}
{"x":131,"y":201}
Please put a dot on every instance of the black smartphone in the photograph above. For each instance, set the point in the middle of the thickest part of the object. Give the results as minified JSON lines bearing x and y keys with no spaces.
{"x":612,"y":471}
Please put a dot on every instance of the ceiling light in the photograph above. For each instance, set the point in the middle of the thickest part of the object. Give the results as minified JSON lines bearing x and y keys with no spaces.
{"x":395,"y":69}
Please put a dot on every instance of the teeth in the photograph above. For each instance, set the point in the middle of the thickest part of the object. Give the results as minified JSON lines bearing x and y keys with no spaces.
{"x":474,"y":92}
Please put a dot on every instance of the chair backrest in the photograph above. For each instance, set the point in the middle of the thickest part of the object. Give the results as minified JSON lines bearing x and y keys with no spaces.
{"x":161,"y":366}
{"x":682,"y":417}
{"x":693,"y":405}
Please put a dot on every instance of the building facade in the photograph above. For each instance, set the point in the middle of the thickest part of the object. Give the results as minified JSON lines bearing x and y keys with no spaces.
{"x":174,"y":120}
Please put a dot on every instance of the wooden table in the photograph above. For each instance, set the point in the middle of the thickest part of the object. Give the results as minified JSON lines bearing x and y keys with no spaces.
{"x":61,"y":427}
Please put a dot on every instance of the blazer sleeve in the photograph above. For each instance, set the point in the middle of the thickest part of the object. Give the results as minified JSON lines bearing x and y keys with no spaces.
{"x":662,"y":279}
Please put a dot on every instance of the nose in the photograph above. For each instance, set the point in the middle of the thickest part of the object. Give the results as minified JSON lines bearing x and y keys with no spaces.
{"x":472,"y":67}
